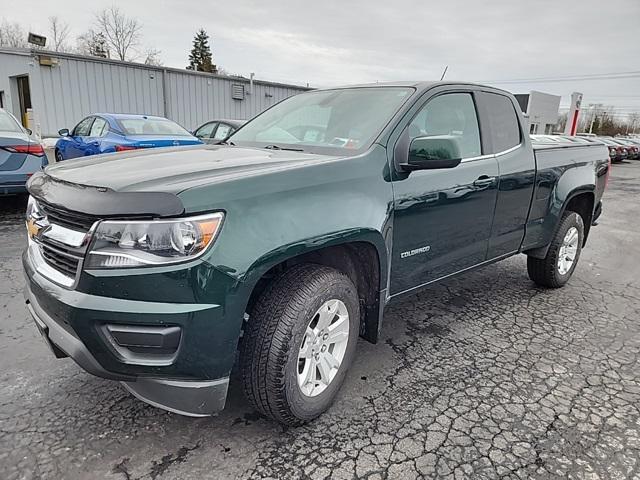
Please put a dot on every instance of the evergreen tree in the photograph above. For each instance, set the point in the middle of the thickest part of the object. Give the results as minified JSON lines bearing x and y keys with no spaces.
{"x":200,"y":57}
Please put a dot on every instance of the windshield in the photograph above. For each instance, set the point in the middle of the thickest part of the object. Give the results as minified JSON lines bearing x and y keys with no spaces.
{"x":324,"y":121}
{"x":8,"y":124}
{"x":151,"y":126}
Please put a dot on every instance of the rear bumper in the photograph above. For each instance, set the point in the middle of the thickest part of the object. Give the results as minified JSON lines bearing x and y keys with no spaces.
{"x":12,"y":189}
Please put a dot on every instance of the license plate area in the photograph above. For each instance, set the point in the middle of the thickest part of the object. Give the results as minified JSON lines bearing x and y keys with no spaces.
{"x":44,"y":332}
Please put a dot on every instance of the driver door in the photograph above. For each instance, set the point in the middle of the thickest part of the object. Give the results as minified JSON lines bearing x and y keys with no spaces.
{"x":443,"y":217}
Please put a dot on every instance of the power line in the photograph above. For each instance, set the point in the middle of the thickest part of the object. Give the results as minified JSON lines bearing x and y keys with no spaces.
{"x":570,"y":78}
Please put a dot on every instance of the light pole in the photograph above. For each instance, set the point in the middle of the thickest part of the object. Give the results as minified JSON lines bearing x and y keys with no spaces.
{"x":594,"y":107}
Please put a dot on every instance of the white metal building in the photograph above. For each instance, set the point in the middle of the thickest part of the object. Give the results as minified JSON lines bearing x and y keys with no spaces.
{"x":541,"y":109}
{"x":49,"y":90}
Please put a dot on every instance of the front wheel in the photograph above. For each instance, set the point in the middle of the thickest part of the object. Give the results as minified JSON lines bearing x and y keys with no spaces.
{"x":299,"y":343}
{"x":59,"y":156}
{"x":556,"y":268}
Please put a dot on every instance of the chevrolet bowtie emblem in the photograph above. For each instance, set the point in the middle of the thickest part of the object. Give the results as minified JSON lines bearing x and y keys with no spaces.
{"x":32,"y":228}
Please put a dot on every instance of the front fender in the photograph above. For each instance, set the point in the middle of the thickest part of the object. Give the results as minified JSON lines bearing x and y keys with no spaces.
{"x":271,"y":218}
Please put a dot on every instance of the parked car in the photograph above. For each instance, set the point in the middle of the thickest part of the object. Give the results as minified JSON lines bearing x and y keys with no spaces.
{"x":115,"y":132}
{"x":21,"y":155}
{"x":217,"y":131}
{"x":633,"y":152}
{"x":617,"y":152}
{"x":632,"y":141}
{"x":160,"y":267}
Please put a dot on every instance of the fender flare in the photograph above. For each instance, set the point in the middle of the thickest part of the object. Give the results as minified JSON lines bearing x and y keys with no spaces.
{"x":541,"y":252}
{"x":373,"y":313}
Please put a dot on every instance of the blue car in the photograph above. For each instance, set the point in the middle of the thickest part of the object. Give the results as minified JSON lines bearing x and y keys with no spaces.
{"x":21,"y":155}
{"x":110,"y":132}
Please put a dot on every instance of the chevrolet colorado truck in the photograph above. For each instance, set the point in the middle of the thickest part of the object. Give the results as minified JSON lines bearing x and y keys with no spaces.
{"x":275,"y":250}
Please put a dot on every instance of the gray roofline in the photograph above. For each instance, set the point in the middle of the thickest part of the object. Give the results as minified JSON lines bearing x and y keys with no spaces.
{"x":88,"y":58}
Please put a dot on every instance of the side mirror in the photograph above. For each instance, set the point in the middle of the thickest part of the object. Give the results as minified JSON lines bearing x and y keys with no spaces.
{"x":63,"y":132}
{"x":434,"y":152}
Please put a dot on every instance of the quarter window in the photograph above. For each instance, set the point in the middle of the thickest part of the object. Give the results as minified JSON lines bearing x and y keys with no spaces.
{"x":452,"y":114}
{"x":505,"y":128}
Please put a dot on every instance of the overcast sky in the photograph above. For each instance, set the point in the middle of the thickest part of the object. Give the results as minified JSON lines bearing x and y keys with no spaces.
{"x":332,"y":42}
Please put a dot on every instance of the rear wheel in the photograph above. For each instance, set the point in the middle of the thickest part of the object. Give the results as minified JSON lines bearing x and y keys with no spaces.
{"x":556,"y":268}
{"x":299,"y":343}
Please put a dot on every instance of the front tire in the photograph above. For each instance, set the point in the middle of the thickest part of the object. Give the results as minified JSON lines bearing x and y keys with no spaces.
{"x":556,"y":268}
{"x":299,"y":343}
{"x":58,"y":156}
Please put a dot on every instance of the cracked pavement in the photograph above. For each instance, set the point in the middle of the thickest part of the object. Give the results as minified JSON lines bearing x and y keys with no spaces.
{"x":482,"y":376}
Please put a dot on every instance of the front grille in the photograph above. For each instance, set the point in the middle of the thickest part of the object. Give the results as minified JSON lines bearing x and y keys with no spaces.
{"x":75,"y":220}
{"x":60,"y":257}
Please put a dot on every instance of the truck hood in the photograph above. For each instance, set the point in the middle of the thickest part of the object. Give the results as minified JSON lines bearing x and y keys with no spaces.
{"x":173,"y":170}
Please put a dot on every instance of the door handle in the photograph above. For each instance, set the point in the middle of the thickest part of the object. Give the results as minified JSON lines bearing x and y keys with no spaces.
{"x":483,"y":181}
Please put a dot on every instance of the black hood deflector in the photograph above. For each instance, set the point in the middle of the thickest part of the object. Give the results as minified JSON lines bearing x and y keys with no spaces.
{"x":101,"y":201}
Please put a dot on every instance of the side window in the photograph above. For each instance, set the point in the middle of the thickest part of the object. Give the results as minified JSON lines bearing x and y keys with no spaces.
{"x":505,"y":128}
{"x":99,"y":127}
{"x":451,"y":114}
{"x":83,"y":128}
{"x":223,"y":131}
{"x":206,"y":130}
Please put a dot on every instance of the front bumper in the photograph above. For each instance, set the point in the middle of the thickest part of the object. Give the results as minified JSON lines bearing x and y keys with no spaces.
{"x":72,"y":324}
{"x":186,"y":397}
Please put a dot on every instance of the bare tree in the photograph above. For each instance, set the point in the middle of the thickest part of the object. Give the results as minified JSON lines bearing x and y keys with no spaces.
{"x":152,"y":57}
{"x":121,"y":33}
{"x":59,"y":34}
{"x":12,"y":35}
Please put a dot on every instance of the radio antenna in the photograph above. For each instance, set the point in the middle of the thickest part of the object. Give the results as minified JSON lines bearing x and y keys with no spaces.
{"x":444,"y":72}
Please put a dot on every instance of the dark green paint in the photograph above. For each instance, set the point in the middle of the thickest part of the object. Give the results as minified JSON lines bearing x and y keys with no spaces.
{"x":281,"y":204}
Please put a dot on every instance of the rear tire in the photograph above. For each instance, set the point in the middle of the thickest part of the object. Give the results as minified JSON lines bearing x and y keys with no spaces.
{"x":277,"y":335}
{"x":554,"y":270}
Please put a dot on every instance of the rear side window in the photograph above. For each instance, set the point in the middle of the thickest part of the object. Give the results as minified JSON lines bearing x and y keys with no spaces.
{"x":223,"y":131}
{"x":99,"y":128}
{"x":505,"y":129}
{"x":7,"y":123}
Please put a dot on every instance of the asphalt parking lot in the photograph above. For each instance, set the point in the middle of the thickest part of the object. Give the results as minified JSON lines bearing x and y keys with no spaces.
{"x":484,"y":376}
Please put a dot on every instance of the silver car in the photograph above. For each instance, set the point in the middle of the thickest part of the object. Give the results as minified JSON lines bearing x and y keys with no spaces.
{"x":21,"y":155}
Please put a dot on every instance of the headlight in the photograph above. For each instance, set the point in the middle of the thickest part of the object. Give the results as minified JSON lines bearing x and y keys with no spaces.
{"x":119,"y":244}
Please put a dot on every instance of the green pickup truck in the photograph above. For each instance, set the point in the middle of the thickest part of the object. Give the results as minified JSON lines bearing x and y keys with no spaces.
{"x":272,"y":252}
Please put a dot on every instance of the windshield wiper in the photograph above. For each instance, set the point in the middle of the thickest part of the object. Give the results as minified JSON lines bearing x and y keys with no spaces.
{"x":278,"y":147}
{"x":227,"y":142}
